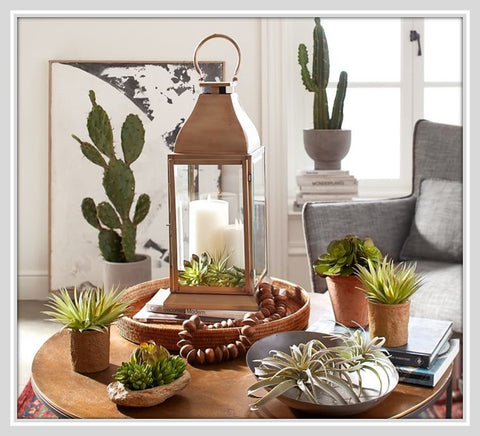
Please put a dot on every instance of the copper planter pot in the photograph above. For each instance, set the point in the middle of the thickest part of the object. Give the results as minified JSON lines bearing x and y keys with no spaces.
{"x":350,"y":305}
{"x":389,"y":321}
{"x":90,"y":350}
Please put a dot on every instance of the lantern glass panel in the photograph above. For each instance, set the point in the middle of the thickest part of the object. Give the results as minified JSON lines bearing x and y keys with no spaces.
{"x":209,"y":219}
{"x":259,"y":216}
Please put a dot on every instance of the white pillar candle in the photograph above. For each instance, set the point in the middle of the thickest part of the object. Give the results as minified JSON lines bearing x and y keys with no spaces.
{"x":234,"y":244}
{"x":207,"y":219}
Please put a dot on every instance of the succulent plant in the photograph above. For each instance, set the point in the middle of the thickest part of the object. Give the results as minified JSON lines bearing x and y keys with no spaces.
{"x":389,"y":283}
{"x":208,"y":270}
{"x":117,"y":228}
{"x":150,"y":365}
{"x":93,"y":309}
{"x":317,"y":81}
{"x":314,"y":370}
{"x":344,"y":255}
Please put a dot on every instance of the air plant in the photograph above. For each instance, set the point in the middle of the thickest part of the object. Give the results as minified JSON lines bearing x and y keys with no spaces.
{"x":388,"y":283}
{"x":314,"y":369}
{"x":208,"y":270}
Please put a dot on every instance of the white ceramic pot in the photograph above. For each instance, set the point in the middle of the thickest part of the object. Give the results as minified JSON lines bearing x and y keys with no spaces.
{"x":126,"y":274}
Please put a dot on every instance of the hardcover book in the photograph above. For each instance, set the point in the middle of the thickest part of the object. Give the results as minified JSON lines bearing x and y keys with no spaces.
{"x":426,"y":337}
{"x":157,"y":304}
{"x":143,"y":315}
{"x":431,"y":376}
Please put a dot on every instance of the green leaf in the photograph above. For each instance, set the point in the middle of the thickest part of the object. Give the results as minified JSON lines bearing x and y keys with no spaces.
{"x":89,"y":212}
{"x":141,"y":209}
{"x":108,"y":216}
{"x":119,"y":184}
{"x":110,"y":244}
{"x":100,"y":129}
{"x":90,"y":152}
{"x":133,"y":138}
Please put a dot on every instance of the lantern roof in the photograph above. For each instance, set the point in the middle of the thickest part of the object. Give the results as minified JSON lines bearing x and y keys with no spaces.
{"x":217,"y":124}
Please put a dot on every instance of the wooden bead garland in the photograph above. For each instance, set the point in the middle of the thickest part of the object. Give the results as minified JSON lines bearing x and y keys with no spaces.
{"x":271,"y":302}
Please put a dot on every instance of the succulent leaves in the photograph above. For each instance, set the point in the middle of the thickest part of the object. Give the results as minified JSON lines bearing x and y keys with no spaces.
{"x":389,"y":283}
{"x":344,"y":255}
{"x":92,"y":309}
{"x":208,"y":270}
{"x":118,"y":182}
{"x":150,"y":365}
{"x":315,"y":370}
{"x":317,"y":81}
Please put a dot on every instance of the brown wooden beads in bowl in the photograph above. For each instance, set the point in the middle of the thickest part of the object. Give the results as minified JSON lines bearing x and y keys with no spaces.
{"x":283,"y":306}
{"x":272,"y":306}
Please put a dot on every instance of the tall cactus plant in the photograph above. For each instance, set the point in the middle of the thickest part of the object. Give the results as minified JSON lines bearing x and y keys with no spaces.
{"x":317,"y":81}
{"x":117,"y":229}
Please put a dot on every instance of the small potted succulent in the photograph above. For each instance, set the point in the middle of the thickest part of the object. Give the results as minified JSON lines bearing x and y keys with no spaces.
{"x":389,"y":288}
{"x":88,"y":317}
{"x":327,"y":143}
{"x":338,"y":266}
{"x":149,"y":377}
{"x":117,"y":227}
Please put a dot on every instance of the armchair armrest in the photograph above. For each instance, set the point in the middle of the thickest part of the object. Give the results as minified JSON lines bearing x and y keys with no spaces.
{"x":387,"y":222}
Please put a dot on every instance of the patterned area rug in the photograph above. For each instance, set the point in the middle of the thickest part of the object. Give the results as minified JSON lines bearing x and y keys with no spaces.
{"x":30,"y":407}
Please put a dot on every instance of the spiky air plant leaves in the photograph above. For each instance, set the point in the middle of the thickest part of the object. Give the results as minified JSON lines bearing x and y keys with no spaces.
{"x":389,"y":283}
{"x":208,"y":270}
{"x":315,"y":370}
{"x":92,"y":309}
{"x":150,"y":365}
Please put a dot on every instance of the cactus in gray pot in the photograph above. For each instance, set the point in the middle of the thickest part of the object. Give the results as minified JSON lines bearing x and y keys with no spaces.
{"x":317,"y":81}
{"x":117,"y":228}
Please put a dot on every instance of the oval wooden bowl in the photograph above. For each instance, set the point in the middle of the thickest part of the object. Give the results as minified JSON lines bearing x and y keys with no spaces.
{"x":298,"y":312}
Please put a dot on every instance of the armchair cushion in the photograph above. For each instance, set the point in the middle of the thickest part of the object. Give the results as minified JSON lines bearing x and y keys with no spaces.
{"x":436,"y":230}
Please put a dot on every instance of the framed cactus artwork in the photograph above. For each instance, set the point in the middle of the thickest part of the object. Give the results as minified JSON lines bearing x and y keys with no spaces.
{"x":162,"y":95}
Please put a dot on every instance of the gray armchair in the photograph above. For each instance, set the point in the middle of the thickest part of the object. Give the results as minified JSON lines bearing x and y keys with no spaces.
{"x":425,"y":227}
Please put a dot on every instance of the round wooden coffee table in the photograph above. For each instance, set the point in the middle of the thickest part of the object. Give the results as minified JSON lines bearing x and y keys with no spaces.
{"x":215,"y":392}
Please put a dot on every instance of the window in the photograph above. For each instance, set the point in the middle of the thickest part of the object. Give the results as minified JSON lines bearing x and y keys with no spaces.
{"x":390,"y":87}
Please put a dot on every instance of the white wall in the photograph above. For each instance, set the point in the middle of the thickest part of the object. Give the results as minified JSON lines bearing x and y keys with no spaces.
{"x":143,"y":39}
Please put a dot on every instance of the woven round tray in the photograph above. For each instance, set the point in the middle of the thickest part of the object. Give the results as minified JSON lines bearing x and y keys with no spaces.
{"x":296,"y":318}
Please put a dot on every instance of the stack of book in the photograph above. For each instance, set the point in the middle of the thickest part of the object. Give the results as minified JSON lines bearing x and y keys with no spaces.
{"x":324,"y":185}
{"x":155,"y":311}
{"x":429,"y":352}
{"x":427,"y":355}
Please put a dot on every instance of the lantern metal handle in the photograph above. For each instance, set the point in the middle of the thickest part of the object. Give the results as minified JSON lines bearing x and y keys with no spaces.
{"x":217,"y":35}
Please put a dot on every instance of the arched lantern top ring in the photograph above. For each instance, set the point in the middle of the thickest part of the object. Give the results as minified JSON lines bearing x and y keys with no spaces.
{"x":217,"y":206}
{"x":208,"y":38}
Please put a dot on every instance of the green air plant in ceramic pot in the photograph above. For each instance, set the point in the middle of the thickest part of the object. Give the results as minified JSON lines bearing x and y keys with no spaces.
{"x":327,"y":144}
{"x":149,"y":377}
{"x":389,"y":288}
{"x":338,"y":266}
{"x":87,"y":316}
{"x":117,"y":228}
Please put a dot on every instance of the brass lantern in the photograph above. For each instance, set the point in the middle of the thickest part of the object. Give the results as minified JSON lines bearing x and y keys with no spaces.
{"x":217,"y":210}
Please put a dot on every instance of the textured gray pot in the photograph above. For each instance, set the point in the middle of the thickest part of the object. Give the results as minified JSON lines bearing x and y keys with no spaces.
{"x":327,"y":148}
{"x":126,"y":274}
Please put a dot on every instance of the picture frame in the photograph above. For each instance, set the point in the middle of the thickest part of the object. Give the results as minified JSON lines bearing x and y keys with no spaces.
{"x":162,"y":94}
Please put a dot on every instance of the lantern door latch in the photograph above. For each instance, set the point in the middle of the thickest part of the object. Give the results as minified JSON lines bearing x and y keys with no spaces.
{"x":415,"y":36}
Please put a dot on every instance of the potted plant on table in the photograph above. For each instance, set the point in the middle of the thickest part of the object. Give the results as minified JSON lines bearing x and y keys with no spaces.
{"x":327,"y":144}
{"x":388,"y":288}
{"x":88,"y":317}
{"x":338,"y":266}
{"x":117,"y":228}
{"x":149,"y":377}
